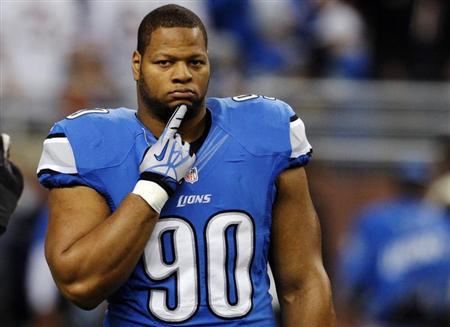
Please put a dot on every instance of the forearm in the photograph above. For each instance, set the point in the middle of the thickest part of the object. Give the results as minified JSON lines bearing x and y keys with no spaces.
{"x":308,"y":304}
{"x":96,"y":264}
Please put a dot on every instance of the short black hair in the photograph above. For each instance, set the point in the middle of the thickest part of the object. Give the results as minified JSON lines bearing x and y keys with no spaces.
{"x":167,"y":16}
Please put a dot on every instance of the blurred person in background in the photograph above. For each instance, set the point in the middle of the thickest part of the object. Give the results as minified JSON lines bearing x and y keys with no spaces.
{"x":32,"y":66}
{"x":89,"y":83}
{"x":339,"y":44}
{"x":42,"y":25}
{"x":237,"y":17}
{"x":113,"y":172}
{"x":321,"y":38}
{"x":395,"y":267}
{"x":410,"y":38}
{"x":11,"y":183}
{"x":439,"y":192}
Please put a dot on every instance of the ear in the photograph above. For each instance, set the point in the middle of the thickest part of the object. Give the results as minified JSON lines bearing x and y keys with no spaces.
{"x":136,"y":65}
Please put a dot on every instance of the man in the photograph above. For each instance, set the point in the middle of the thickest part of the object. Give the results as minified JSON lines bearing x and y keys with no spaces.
{"x":395,"y":268}
{"x":11,"y":184}
{"x":124,"y":228}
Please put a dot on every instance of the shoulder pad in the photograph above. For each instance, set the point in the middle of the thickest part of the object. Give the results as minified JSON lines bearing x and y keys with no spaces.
{"x":263,"y":125}
{"x":99,"y":138}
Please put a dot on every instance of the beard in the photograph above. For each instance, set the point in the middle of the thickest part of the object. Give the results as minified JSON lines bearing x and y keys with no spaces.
{"x":161,"y":110}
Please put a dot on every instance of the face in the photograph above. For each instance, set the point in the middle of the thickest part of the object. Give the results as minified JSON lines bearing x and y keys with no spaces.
{"x":174,"y":70}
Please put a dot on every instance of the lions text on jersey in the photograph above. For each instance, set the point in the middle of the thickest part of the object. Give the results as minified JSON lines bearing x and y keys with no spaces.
{"x":206,"y":261}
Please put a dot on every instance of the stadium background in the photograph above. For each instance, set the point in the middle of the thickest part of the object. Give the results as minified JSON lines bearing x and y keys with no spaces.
{"x":371,"y":80}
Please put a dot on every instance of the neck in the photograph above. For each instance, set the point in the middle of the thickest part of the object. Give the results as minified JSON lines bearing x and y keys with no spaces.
{"x":190,"y":130}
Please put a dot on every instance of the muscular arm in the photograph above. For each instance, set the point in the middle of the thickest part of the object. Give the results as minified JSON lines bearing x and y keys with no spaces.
{"x":90,"y":251}
{"x":302,"y":284}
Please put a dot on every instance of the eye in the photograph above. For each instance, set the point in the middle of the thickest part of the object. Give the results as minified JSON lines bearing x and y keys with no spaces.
{"x":163,"y":63}
{"x":196,"y":63}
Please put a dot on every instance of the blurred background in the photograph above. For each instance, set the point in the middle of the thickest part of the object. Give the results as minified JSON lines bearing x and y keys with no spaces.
{"x":370,"y":79}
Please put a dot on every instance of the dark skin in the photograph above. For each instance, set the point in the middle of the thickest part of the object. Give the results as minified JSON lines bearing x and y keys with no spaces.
{"x":303,"y":287}
{"x":175,"y":67}
{"x":83,"y":230}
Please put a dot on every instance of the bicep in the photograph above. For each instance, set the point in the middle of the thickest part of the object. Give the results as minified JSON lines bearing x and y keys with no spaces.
{"x":295,"y":254}
{"x":73,"y":213}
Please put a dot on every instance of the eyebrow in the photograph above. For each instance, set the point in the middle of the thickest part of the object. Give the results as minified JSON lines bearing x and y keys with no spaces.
{"x":171,"y":57}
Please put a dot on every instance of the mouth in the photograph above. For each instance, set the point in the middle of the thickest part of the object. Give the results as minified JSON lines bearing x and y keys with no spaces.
{"x":183,"y":93}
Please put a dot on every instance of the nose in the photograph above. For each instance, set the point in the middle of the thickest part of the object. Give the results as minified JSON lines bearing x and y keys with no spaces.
{"x":181,"y":73}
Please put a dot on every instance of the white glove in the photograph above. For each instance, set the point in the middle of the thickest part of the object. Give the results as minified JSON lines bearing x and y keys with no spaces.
{"x":164,"y":164}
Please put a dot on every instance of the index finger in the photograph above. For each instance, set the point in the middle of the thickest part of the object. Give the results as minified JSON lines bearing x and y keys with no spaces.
{"x":175,"y":121}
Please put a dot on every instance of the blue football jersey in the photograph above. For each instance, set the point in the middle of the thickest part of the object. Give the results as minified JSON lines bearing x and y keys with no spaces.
{"x":206,"y":261}
{"x":398,"y":256}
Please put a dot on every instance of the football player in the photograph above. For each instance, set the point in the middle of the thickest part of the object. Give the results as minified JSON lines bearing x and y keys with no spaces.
{"x":173,"y":211}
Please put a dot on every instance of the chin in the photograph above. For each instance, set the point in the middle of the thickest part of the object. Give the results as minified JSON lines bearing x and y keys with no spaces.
{"x":179,"y":102}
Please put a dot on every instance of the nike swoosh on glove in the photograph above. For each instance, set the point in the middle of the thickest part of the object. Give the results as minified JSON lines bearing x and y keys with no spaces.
{"x":164,"y":164}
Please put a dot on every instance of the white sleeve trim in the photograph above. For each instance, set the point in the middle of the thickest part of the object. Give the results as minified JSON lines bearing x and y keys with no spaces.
{"x":299,"y":142}
{"x":58,"y":155}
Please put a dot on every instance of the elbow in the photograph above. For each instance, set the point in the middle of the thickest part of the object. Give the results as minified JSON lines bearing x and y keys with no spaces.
{"x":314,"y":287}
{"x":81,"y":295}
{"x":82,"y":291}
{"x":290,"y":294}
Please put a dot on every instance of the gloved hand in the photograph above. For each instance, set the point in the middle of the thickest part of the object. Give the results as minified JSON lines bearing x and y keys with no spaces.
{"x":164,"y":164}
{"x":11,"y":184}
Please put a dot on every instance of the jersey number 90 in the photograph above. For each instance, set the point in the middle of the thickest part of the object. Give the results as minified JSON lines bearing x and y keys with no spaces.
{"x":184,"y":267}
